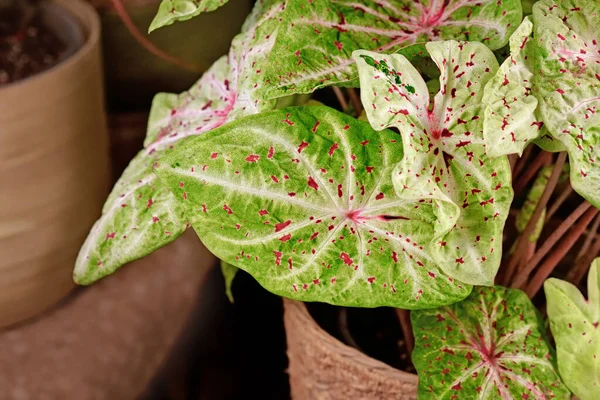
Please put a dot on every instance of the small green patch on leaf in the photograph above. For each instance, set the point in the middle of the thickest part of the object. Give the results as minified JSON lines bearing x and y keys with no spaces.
{"x":302,"y":198}
{"x":489,"y":346}
{"x":171,"y":11}
{"x":574,"y":324}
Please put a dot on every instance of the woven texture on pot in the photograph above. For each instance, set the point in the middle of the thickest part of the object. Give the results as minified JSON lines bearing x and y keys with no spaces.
{"x":54,"y":172}
{"x":323,"y":368}
{"x":108,"y":341}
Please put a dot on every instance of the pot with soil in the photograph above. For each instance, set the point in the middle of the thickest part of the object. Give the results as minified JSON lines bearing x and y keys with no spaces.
{"x":53,"y":148}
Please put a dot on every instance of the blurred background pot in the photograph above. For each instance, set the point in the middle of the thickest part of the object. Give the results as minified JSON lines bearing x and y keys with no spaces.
{"x":323,"y":368}
{"x":54,"y":166}
{"x":134,"y":74}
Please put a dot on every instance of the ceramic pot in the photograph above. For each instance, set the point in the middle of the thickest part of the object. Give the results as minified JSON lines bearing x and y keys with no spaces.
{"x":54,"y":166}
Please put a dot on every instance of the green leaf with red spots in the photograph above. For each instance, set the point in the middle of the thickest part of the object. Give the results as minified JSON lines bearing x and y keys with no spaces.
{"x":302,"y":199}
{"x":567,"y":62}
{"x":315,"y":48}
{"x":141,"y":215}
{"x":444,"y":151}
{"x":489,"y":346}
{"x":574,"y":325}
{"x":171,"y":11}
{"x":510,"y":123}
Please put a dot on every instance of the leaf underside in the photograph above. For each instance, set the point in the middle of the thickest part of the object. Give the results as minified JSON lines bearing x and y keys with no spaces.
{"x":574,"y":325}
{"x":141,"y":215}
{"x":315,"y":48}
{"x":567,"y":62}
{"x":302,"y":199}
{"x":489,"y":346}
{"x":171,"y":11}
{"x":444,"y":153}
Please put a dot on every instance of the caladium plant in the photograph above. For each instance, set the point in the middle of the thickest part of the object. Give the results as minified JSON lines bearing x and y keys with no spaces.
{"x":574,"y":323}
{"x":315,"y":48}
{"x":141,"y":215}
{"x":444,"y":154}
{"x":490,"y":346}
{"x":405,"y":205}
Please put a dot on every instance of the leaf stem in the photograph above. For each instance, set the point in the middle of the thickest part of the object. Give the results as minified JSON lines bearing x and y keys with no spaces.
{"x":549,"y":243}
{"x":147,"y":44}
{"x":340,"y":97}
{"x":521,"y":162}
{"x":355,"y":101}
{"x":404,"y":319}
{"x":531,"y":224}
{"x":540,"y":161}
{"x":587,"y":253}
{"x":559,"y":252}
{"x":564,"y":195}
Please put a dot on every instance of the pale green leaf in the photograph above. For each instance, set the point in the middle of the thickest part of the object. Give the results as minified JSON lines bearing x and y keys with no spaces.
{"x":567,"y":59}
{"x":302,"y":199}
{"x":509,"y":119}
{"x":443,"y":142}
{"x":141,"y":214}
{"x":229,"y":272}
{"x":315,"y":47}
{"x":574,"y":325}
{"x":171,"y":11}
{"x":489,"y":346}
{"x":533,"y":198}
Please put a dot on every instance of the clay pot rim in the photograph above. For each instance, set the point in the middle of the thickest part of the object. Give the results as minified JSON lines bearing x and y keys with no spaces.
{"x":335,"y":345}
{"x":85,"y":15}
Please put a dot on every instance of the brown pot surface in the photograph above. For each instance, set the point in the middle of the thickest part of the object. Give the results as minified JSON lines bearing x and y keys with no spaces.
{"x":323,"y":368}
{"x":107,"y":341}
{"x":54,"y":158}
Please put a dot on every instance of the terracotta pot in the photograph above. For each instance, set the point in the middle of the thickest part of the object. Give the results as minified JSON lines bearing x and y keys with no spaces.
{"x":323,"y":368}
{"x":108,"y":341}
{"x":134,"y":75}
{"x":54,"y":167}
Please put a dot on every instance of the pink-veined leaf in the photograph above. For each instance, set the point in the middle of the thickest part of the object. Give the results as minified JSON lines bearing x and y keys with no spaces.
{"x":171,"y":11}
{"x":489,"y":346}
{"x":574,"y":324}
{"x":567,"y":62}
{"x":141,"y":215}
{"x":443,"y":143}
{"x":510,"y":123}
{"x":315,"y":47}
{"x":302,"y":199}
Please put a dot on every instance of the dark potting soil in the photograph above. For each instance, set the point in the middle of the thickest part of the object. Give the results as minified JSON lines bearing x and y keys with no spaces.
{"x":375,"y":332}
{"x":27,"y":45}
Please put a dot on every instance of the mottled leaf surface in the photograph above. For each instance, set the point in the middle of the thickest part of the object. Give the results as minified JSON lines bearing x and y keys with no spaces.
{"x":315,"y":47}
{"x":574,"y":325}
{"x":141,"y":215}
{"x":489,"y":346}
{"x":567,"y":61}
{"x":171,"y":11}
{"x":444,"y":151}
{"x":302,"y":199}
{"x":510,"y":122}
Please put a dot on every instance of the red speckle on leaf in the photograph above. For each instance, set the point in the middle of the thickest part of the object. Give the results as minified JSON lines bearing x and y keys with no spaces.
{"x":561,"y":37}
{"x":291,"y":265}
{"x":291,"y":194}
{"x":395,"y":256}
{"x":285,"y":238}
{"x":339,"y":45}
{"x":448,"y":351}
{"x":155,"y":219}
{"x":369,"y":169}
{"x":271,"y":152}
{"x":340,"y":192}
{"x":302,"y":146}
{"x":314,"y":235}
{"x":278,"y":255}
{"x":379,"y":196}
{"x":150,"y":202}
{"x":371,"y":279}
{"x":110,"y":235}
{"x":274,"y":178}
{"x":262,"y":212}
{"x":228,"y":209}
{"x":457,"y":386}
{"x":252,"y":158}
{"x":203,"y":207}
{"x":333,"y":148}
{"x":366,"y":142}
{"x":346,"y":258}
{"x":560,"y":91}
{"x":282,"y":225}
{"x":214,"y":155}
{"x":185,"y":195}
{"x":460,"y":260}
{"x":312,"y":183}
{"x":287,"y":120}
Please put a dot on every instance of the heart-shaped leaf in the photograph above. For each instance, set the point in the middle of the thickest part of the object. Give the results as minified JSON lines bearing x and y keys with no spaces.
{"x":574,"y":324}
{"x":141,"y":215}
{"x":315,"y":48}
{"x":171,"y":11}
{"x":567,"y":61}
{"x":510,"y":122}
{"x":444,"y":153}
{"x":302,"y":199}
{"x":489,"y":346}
